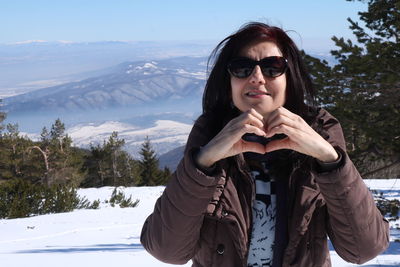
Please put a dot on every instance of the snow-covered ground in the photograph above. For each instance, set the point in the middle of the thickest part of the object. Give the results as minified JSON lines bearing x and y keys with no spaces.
{"x":111,"y":236}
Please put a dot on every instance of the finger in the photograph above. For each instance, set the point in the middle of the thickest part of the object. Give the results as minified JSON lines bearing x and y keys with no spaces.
{"x":279,"y":113}
{"x":234,"y":131}
{"x":256,"y":114}
{"x":247,"y":128}
{"x":295,"y":140}
{"x":250,"y":118}
{"x":275,"y":115}
{"x":278,"y":144}
{"x":286,"y":112}
{"x":280,"y":121}
{"x":282,"y":129}
{"x":253,"y":147}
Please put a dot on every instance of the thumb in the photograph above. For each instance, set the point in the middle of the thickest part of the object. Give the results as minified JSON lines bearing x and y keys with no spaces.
{"x":253,"y":147}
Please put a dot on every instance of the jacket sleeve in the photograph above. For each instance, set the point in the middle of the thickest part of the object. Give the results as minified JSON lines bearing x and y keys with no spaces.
{"x":172,"y":231}
{"x":356,"y":227}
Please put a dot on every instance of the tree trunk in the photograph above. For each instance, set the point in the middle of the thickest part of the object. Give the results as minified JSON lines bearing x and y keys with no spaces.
{"x":46,"y":162}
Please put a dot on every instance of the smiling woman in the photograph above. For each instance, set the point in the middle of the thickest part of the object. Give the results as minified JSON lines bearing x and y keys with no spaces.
{"x":271,"y":200}
{"x":260,"y":90}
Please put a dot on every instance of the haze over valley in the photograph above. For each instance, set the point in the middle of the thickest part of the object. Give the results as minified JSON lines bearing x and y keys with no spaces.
{"x":94,"y":89}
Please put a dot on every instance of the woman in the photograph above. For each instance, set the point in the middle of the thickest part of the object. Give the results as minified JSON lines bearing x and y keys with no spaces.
{"x":265,"y":177}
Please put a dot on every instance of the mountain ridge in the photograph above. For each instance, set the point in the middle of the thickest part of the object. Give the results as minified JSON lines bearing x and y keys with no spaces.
{"x":131,"y":83}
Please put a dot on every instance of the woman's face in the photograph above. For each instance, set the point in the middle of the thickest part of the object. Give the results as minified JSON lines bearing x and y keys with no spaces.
{"x":257,"y":91}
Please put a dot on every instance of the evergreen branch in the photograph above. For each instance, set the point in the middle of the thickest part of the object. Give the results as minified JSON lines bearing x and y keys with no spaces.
{"x":381,"y":168}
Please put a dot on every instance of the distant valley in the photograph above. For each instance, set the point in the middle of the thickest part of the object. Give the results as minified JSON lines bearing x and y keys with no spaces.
{"x":158,"y":98}
{"x":129,"y":85}
{"x":155,"y":99}
{"x":32,"y":65}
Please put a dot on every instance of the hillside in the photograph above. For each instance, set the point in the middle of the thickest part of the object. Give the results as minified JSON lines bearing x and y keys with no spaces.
{"x":129,"y":84}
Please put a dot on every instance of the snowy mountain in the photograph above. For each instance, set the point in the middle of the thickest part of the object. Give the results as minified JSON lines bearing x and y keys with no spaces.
{"x":111,"y":236}
{"x":130,"y":84}
{"x":31,"y":65}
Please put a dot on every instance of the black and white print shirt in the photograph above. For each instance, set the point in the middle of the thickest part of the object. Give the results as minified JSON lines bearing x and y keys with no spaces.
{"x":264,"y":217}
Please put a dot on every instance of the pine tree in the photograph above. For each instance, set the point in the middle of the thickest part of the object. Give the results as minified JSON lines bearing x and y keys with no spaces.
{"x":369,"y":75}
{"x":45,"y":137}
{"x":15,"y":161}
{"x":166,"y":175}
{"x":94,"y":166}
{"x":110,"y":165}
{"x":36,"y":164}
{"x":3,"y":152}
{"x":43,"y":162}
{"x":36,"y":167}
{"x":62,"y":162}
{"x":15,"y":153}
{"x":114,"y":150}
{"x":57,"y":134}
{"x":129,"y":170}
{"x":150,"y":175}
{"x":361,"y":90}
{"x":2,"y":118}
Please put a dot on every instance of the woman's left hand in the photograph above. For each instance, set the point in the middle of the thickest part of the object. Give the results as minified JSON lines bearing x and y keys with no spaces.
{"x":300,"y":136}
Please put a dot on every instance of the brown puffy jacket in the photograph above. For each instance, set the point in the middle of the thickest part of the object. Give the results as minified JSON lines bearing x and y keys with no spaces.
{"x":207,"y":218}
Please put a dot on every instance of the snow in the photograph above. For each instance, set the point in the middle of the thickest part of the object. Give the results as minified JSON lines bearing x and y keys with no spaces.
{"x":163,"y":134}
{"x":29,"y":42}
{"x":199,"y":74}
{"x":161,"y":129}
{"x":147,"y":66}
{"x":81,"y":132}
{"x":111,"y":236}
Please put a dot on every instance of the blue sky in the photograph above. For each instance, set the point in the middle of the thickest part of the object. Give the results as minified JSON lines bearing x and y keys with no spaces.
{"x":313,"y":21}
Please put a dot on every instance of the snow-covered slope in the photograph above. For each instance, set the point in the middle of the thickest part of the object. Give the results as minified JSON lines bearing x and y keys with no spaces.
{"x":164,"y":135}
{"x":111,"y":236}
{"x":166,"y":132}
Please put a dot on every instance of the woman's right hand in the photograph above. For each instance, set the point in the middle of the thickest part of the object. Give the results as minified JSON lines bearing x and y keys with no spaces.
{"x":228,"y":142}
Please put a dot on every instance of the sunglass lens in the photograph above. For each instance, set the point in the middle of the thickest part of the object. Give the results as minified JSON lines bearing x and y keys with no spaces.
{"x":273,"y":66}
{"x":241,"y":68}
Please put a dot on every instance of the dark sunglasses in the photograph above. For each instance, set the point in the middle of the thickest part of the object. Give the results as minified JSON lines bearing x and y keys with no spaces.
{"x":271,"y":67}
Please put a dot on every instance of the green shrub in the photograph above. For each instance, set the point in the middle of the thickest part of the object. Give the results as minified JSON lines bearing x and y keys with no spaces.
{"x":95,"y":205}
{"x":19,"y":198}
{"x":388,"y":208}
{"x":119,"y":198}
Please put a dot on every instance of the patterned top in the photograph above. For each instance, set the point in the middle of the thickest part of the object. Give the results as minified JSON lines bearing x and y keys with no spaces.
{"x":264,"y":217}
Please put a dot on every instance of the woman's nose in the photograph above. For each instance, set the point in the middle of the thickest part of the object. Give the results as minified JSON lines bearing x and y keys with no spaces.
{"x":256,"y":76}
